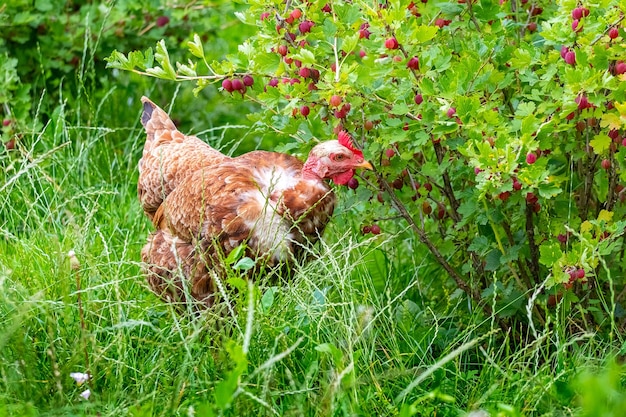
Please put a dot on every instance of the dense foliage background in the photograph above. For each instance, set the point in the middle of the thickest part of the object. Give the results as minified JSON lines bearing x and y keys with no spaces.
{"x":478,"y":270}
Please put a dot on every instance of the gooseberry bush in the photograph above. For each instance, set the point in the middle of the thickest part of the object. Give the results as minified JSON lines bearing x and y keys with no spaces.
{"x":497,"y":129}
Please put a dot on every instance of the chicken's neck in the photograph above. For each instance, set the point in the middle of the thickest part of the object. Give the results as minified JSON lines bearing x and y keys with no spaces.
{"x":311,"y":170}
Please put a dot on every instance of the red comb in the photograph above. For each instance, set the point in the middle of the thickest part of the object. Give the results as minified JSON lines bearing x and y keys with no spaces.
{"x":346,"y":140}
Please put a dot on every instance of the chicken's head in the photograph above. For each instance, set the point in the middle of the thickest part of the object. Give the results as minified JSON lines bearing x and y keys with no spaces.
{"x":334,"y":159}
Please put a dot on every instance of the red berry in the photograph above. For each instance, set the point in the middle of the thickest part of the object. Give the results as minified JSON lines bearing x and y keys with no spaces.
{"x":304,"y":72}
{"x":304,"y":110}
{"x":282,"y":50}
{"x":531,"y":158}
{"x":335,"y":100}
{"x":305,"y":27}
{"x":428,"y":186}
{"x":353,"y":183}
{"x":532,"y":26}
{"x":580,"y":273}
{"x":414,"y":63}
{"x":441,"y":22}
{"x":418,"y":99}
{"x":340,"y":114}
{"x":391,"y":43}
{"x":577,"y":13}
{"x":517,"y":185}
{"x":570,"y":57}
{"x":613,"y":134}
{"x":390,"y":153}
{"x":228,"y":85}
{"x":264,"y":16}
{"x":364,"y":33}
{"x":620,"y":68}
{"x":562,"y":238}
{"x":248,"y":80}
{"x":613,"y":33}
{"x":273,"y":82}
{"x":451,"y":111}
{"x":6,"y":122}
{"x":397,"y":183}
{"x":296,"y":14}
{"x":564,"y":50}
{"x":375,"y":229}
{"x":426,"y":208}
{"x":162,"y":21}
{"x":606,"y":164}
{"x":237,"y":84}
{"x":583,"y":102}
{"x":368,"y":125}
{"x":576,"y":26}
{"x":326,"y":8}
{"x":367,"y":229}
{"x":531,"y":198}
{"x":10,"y":144}
{"x":441,"y":211}
{"x":504,"y":195}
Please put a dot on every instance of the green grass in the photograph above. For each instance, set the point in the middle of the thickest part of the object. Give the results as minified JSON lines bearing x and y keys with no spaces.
{"x":368,"y":327}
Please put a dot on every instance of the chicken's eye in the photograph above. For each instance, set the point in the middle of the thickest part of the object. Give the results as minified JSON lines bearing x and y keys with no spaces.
{"x":339,"y":157}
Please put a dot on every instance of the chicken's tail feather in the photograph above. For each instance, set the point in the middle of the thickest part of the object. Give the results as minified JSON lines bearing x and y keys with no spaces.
{"x":154,"y":118}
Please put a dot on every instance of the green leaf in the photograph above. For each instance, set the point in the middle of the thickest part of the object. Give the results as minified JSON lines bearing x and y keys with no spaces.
{"x":425,"y":33}
{"x":480,"y":245}
{"x":267,"y":300}
{"x":235,"y":254}
{"x":162,"y":57}
{"x":600,"y":143}
{"x":492,"y":260}
{"x":550,"y":253}
{"x":549,"y":190}
{"x":525,"y":109}
{"x":244,"y":264}
{"x":195,"y":47}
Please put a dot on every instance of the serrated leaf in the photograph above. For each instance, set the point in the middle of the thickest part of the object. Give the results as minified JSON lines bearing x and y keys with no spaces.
{"x":605,"y":215}
{"x":492,"y":260}
{"x":600,"y":143}
{"x":549,"y":190}
{"x":350,"y":42}
{"x":586,"y":226}
{"x":400,"y":108}
{"x":186,"y":70}
{"x":611,"y":120}
{"x":525,"y":109}
{"x":425,"y":33}
{"x":117,"y":60}
{"x":195,"y":46}
{"x":480,"y":244}
{"x":550,"y":253}
{"x":304,"y":55}
{"x":163,"y":58}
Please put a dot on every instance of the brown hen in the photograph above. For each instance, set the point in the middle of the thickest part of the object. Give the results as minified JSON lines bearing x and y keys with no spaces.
{"x":204,"y":204}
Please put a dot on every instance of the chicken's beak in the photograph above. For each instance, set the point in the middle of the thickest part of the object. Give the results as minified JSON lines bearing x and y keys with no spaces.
{"x":365,"y":165}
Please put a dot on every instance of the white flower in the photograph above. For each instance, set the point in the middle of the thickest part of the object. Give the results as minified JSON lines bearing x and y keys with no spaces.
{"x":85,"y":394}
{"x":80,"y":377}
